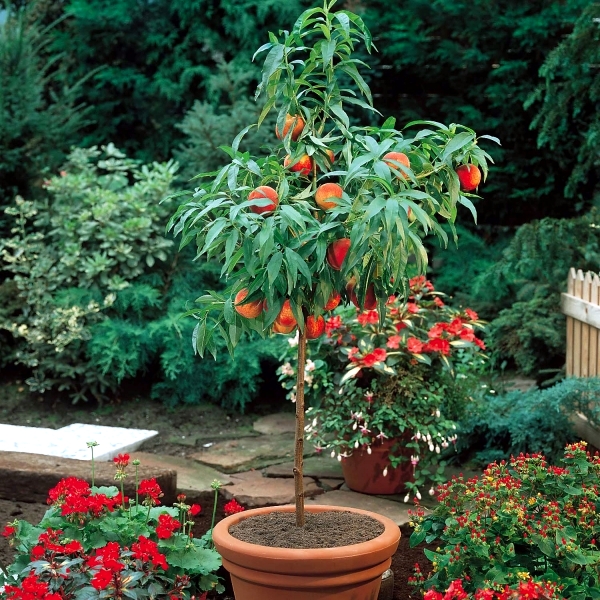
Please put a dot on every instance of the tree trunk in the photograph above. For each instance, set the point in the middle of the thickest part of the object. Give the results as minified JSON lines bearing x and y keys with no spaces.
{"x":299,"y":454}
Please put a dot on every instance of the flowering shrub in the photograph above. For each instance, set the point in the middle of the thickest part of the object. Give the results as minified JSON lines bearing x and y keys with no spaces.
{"x":525,"y":590}
{"x":404,"y":379}
{"x":522,"y":520}
{"x":94,"y":542}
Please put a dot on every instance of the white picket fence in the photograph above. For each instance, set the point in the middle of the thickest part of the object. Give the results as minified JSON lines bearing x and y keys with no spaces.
{"x":581,"y":305}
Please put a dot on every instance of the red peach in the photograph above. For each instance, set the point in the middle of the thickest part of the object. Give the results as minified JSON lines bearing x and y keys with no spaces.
{"x":286,"y":317}
{"x":333,"y":301}
{"x":315,"y":327}
{"x":303,"y":165}
{"x":336,"y":253}
{"x":326,"y":193}
{"x":250,"y":310}
{"x":279,"y":328}
{"x":469,"y":177}
{"x":261,"y":193}
{"x":296,"y":122}
{"x":370,"y":298}
{"x":397,"y":157}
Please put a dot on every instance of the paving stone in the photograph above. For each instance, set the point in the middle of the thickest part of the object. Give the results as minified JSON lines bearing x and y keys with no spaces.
{"x":394,"y":510}
{"x":252,"y":489}
{"x":71,"y":441}
{"x":330,"y":484}
{"x":276,"y":424}
{"x":192,"y":477}
{"x":319,"y":467}
{"x":28,"y":477}
{"x":233,"y":456}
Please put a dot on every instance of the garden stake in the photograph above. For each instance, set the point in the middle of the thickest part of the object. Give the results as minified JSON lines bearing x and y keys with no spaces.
{"x":299,"y":454}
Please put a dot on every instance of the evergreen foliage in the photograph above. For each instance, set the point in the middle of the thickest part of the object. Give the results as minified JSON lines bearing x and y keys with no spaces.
{"x":498,"y":427}
{"x":477,"y":61}
{"x":526,"y":284}
{"x":569,"y":118}
{"x":96,"y":292}
{"x":38,"y":117}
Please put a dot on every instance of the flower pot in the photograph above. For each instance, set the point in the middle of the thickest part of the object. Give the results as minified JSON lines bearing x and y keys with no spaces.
{"x":344,"y":573}
{"x":363,"y":472}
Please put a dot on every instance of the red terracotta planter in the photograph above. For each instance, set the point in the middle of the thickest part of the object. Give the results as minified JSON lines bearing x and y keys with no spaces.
{"x":363,"y":472}
{"x":344,"y":573}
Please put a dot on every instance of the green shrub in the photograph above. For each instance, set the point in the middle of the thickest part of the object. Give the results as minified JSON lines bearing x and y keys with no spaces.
{"x":96,"y":291}
{"x":499,"y":426}
{"x":38,"y":117}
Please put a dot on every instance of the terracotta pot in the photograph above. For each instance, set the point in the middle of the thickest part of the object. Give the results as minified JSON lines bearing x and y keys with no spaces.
{"x":343,"y":573}
{"x":363,"y":472}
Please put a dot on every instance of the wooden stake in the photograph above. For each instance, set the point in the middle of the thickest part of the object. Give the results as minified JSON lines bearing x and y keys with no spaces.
{"x":299,"y":455}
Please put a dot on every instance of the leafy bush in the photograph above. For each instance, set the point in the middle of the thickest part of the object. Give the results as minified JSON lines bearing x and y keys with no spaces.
{"x":96,"y":292}
{"x":526,"y":283}
{"x":498,"y":427}
{"x":519,"y":521}
{"x":38,"y":117}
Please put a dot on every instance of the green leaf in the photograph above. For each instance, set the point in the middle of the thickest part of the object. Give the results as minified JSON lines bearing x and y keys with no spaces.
{"x":272,"y":62}
{"x":274,"y":267}
{"x":456,"y":143}
{"x":195,"y":560}
{"x":466,"y":202}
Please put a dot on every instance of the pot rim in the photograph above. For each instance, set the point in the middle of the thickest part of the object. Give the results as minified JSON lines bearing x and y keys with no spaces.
{"x":225,"y":542}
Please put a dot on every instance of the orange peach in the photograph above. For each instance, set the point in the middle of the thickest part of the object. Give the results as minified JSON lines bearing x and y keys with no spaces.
{"x":279,"y":328}
{"x":333,"y":301}
{"x":325,"y":195}
{"x":469,"y":177}
{"x":296,"y":122}
{"x":370,"y":298}
{"x":250,"y":310}
{"x":315,"y":327}
{"x":261,"y":193}
{"x":336,"y":253}
{"x":397,"y":157}
{"x":303,"y":165}
{"x":286,"y":316}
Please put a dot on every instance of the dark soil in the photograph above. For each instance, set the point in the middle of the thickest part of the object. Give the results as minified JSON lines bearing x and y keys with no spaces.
{"x":321,"y":530}
{"x":402,"y":562}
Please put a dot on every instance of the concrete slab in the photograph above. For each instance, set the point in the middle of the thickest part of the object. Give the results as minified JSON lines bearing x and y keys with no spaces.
{"x":252,"y":489}
{"x":71,"y":441}
{"x":276,"y":424}
{"x":192,"y":477}
{"x":394,"y":510}
{"x":233,"y":456}
{"x":319,"y":467}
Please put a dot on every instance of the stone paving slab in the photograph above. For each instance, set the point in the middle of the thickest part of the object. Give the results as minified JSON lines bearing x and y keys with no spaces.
{"x":330,"y":484}
{"x":276,"y":424}
{"x":319,"y":467}
{"x":233,"y":456}
{"x":252,"y":489}
{"x":394,"y":510}
{"x":71,"y":441}
{"x":192,"y":477}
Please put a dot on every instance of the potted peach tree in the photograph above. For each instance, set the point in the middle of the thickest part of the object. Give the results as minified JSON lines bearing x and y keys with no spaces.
{"x":332,"y":214}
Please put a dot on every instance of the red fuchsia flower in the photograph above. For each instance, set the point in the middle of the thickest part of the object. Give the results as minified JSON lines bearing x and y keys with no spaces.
{"x":368,"y":317}
{"x":414,"y":345}
{"x":151,"y":491}
{"x":147,"y":551}
{"x":393,"y":342}
{"x":438,"y":345}
{"x":101,"y":579}
{"x":121,"y":460}
{"x":8,"y":531}
{"x":195,"y":510}
{"x":166,"y":525}
{"x":233,"y":507}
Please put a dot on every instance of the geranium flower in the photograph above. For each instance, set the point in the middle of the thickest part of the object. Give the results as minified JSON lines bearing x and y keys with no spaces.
{"x":233,"y":507}
{"x":166,"y":525}
{"x":151,"y":491}
{"x":121,"y":460}
{"x":414,"y":345}
{"x":393,"y":342}
{"x":438,"y":345}
{"x":195,"y":510}
{"x":101,"y":579}
{"x":8,"y":531}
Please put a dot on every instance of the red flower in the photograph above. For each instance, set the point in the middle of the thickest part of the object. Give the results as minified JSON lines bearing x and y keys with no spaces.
{"x":352,"y":352}
{"x":400,"y":326}
{"x":433,"y":595}
{"x":121,"y":460}
{"x":151,"y":490}
{"x":455,"y":327}
{"x":101,"y":579}
{"x":166,"y":525}
{"x":438,"y":345}
{"x":8,"y":531}
{"x":393,"y":342}
{"x":332,"y":324}
{"x":436,"y":331}
{"x":480,"y":343}
{"x":371,"y":316}
{"x":233,"y":507}
{"x":414,"y":345}
{"x":380,"y":354}
{"x":147,"y":551}
{"x":195,"y":509}
{"x":467,"y":334}
{"x":369,"y":359}
{"x":438,"y":302}
{"x":412,"y":308}
{"x":471,"y":314}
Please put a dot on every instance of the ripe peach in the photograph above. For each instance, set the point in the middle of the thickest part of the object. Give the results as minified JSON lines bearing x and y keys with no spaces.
{"x":331,"y":156}
{"x":333,"y":301}
{"x":315,"y":327}
{"x":469,"y":177}
{"x":260,"y":193}
{"x":279,"y":328}
{"x":398,"y":157}
{"x":326,"y":193}
{"x":336,"y":253}
{"x":250,"y":310}
{"x":370,"y":298}
{"x":286,"y":317}
{"x":296,"y":122}
{"x":303,"y":165}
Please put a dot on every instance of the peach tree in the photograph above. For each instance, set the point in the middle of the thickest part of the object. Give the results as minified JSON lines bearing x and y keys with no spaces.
{"x":334,"y":212}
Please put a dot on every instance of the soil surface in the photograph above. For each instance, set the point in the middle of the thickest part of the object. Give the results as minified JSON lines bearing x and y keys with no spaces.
{"x":329,"y":529}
